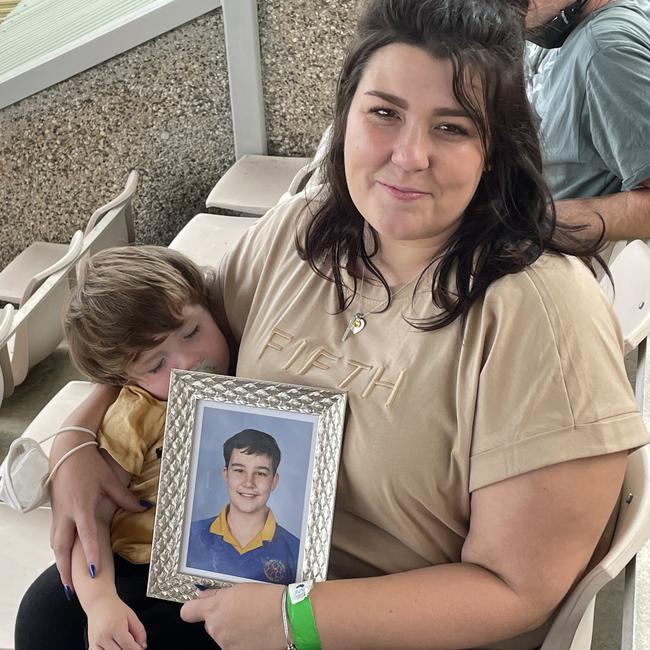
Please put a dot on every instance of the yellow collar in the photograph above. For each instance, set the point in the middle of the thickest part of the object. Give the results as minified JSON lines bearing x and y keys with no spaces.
{"x":220,"y":527}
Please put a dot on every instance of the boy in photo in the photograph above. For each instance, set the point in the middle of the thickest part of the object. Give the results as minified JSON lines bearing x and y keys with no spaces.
{"x":244,"y":539}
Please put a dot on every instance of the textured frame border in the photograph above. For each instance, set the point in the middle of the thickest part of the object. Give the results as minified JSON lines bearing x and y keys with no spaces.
{"x":186,"y":389}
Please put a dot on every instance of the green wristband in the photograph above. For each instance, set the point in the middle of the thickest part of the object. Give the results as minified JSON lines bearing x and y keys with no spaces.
{"x":301,"y":616}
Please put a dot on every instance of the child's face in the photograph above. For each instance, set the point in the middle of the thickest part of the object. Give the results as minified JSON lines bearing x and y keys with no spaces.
{"x":198,"y":342}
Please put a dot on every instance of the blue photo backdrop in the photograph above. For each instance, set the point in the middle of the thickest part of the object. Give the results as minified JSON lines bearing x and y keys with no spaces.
{"x":294,"y":437}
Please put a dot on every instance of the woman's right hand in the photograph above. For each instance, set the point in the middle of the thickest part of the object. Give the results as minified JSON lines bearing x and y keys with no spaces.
{"x":80,"y":483}
{"x":76,"y":490}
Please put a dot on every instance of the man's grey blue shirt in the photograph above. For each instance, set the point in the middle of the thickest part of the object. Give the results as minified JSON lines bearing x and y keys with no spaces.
{"x":592,"y":96}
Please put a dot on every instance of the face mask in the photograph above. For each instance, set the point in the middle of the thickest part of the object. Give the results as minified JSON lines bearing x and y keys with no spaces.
{"x":553,"y":33}
{"x":23,"y":476}
{"x":25,"y":473}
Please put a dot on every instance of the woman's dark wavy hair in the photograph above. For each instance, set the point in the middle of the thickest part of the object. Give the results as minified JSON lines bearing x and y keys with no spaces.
{"x":511,"y":220}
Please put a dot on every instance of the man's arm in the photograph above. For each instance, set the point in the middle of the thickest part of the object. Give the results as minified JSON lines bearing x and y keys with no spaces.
{"x":615,"y":116}
{"x":626,"y":214}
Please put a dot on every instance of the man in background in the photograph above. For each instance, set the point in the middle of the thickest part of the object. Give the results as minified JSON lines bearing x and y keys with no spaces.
{"x":588,"y":81}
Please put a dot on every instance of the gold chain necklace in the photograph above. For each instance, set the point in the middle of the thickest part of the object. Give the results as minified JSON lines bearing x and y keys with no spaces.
{"x":358,"y":321}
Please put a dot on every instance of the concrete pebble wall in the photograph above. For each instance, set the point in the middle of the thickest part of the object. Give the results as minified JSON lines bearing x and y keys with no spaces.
{"x":163,"y":108}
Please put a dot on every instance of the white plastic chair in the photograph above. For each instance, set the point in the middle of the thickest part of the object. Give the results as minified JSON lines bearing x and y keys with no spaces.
{"x":573,"y":624}
{"x":52,"y":415}
{"x":206,"y":237}
{"x":112,"y":224}
{"x":614,"y":250}
{"x":313,"y":173}
{"x":254,"y":184}
{"x":609,"y":254}
{"x":40,"y":256}
{"x":631,"y":298}
{"x":36,"y":258}
{"x":6,"y":378}
{"x":36,"y":328}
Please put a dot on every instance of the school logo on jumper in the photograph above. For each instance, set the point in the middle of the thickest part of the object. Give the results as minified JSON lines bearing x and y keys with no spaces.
{"x":275,"y":570}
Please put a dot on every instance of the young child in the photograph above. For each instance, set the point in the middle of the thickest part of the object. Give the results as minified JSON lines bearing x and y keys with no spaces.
{"x":137,"y":313}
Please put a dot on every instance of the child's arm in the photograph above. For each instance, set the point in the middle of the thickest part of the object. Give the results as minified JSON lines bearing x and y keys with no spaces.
{"x":110,"y":620}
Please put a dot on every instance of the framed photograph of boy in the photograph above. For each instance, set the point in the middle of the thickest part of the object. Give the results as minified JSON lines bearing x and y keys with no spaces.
{"x":247,"y":483}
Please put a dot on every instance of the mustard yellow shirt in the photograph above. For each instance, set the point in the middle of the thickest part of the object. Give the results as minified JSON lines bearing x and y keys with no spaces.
{"x":132,"y":433}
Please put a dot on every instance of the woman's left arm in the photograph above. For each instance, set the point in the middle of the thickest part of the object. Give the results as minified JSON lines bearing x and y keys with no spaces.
{"x":530,"y":538}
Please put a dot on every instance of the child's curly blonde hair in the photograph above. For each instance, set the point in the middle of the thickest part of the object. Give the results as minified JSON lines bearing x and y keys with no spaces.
{"x":128,"y":298}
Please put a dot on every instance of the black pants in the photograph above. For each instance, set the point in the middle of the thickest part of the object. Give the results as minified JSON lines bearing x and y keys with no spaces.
{"x":47,"y":621}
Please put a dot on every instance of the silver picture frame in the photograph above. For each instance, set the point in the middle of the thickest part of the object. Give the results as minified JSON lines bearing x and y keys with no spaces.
{"x":198,"y":403}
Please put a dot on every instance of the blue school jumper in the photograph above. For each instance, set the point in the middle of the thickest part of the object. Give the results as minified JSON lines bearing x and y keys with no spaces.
{"x":271,"y":556}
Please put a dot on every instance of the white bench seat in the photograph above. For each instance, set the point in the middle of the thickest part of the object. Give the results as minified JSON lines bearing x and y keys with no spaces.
{"x":206,"y":237}
{"x":25,"y":539}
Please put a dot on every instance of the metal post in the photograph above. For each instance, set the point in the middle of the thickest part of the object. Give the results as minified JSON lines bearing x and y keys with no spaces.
{"x":245,"y":76}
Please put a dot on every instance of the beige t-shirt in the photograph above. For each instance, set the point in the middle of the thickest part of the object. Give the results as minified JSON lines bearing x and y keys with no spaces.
{"x":535,"y":377}
{"x":132,"y":433}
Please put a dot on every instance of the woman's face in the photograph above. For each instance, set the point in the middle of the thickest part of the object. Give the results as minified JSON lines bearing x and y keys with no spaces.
{"x":413,"y":157}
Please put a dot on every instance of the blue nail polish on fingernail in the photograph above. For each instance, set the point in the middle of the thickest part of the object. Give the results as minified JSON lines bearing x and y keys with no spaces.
{"x":200,"y":587}
{"x":68,"y":592}
{"x":146,"y":504}
{"x":91,"y":570}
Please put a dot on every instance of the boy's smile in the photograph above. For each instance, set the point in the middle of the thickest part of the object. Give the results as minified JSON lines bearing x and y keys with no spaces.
{"x":197,"y":343}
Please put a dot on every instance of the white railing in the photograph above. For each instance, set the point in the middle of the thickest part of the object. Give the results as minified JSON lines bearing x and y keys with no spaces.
{"x":130,"y":30}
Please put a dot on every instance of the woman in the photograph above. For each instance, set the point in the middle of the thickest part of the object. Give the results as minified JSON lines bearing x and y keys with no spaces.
{"x":489,"y":411}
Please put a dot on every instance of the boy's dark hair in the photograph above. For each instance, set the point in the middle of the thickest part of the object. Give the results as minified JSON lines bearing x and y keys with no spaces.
{"x":252,"y":441}
{"x":127,"y":299}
